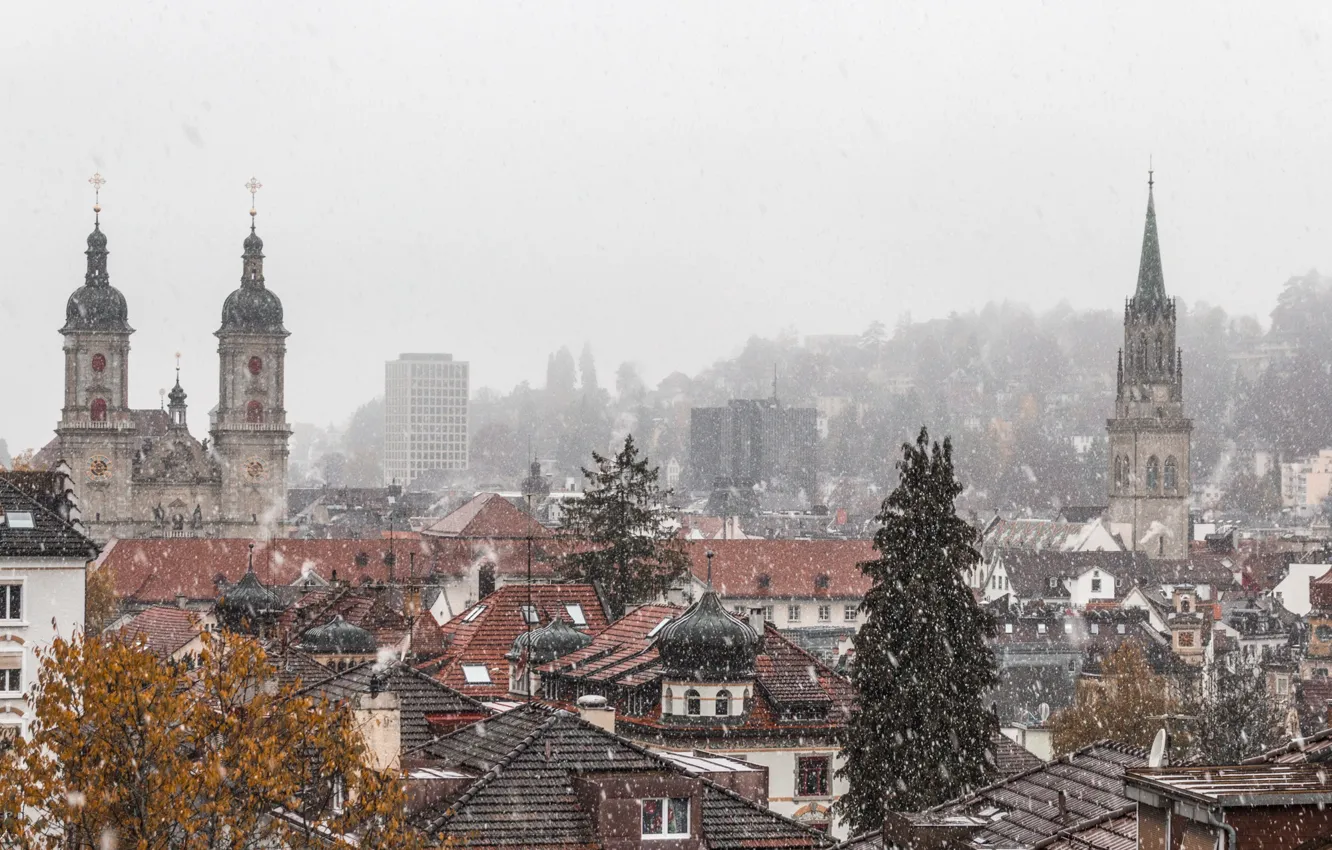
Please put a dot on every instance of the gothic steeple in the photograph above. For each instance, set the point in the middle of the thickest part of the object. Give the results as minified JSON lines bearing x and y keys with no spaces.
{"x":1150,"y":295}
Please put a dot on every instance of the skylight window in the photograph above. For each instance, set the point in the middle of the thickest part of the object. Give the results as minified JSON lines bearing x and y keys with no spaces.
{"x":476,"y":674}
{"x":529,"y":613}
{"x":473,"y":614}
{"x":659,"y":627}
{"x":19,"y":519}
{"x":576,"y":613}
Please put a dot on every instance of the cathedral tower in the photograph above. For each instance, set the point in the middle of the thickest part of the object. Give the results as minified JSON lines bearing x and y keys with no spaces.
{"x":1149,"y":434}
{"x":249,"y":428}
{"x":97,"y":432}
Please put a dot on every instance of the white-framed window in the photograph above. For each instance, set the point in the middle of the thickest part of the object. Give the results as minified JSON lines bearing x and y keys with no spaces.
{"x":11,"y":673}
{"x":1068,"y":628}
{"x":849,"y":613}
{"x":476,"y":674}
{"x":1096,"y":628}
{"x":1096,"y":585}
{"x":793,"y":613}
{"x":1008,"y":628}
{"x":529,"y":613}
{"x":665,"y":817}
{"x":474,"y":613}
{"x":1040,"y":628}
{"x":339,"y":801}
{"x":825,"y":613}
{"x":11,"y":601}
{"x":693,"y":703}
{"x":723,"y":706}
{"x":767,"y":614}
{"x":575,"y":612}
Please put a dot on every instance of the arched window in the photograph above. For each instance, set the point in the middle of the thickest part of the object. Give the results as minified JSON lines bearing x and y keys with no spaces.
{"x":254,"y":412}
{"x":1160,"y":352}
{"x":693,"y":703}
{"x":1171,"y":474}
{"x":670,"y":702}
{"x":723,"y":703}
{"x":1153,"y":473}
{"x":98,"y":410}
{"x":1142,"y":352}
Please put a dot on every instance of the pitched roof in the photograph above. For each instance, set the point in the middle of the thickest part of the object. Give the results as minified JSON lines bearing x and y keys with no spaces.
{"x":487,"y":515}
{"x":1024,"y":809}
{"x":157,"y":570}
{"x":525,"y":762}
{"x":1316,"y":748}
{"x":1119,"y":832}
{"x":50,"y":536}
{"x":783,"y":569}
{"x":1010,"y":757}
{"x":1030,"y":570}
{"x":421,"y":699}
{"x":484,"y":633}
{"x":163,"y":629}
{"x":1026,"y":533}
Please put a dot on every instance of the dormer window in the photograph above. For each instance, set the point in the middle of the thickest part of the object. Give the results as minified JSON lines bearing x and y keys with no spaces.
{"x":665,"y":817}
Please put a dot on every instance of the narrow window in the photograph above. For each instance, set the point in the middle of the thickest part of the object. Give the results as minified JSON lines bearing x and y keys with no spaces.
{"x":1153,"y":473}
{"x":254,"y":412}
{"x":693,"y":703}
{"x":98,"y":410}
{"x":812,"y":776}
{"x":793,"y":613}
{"x":11,"y":602}
{"x":723,"y":707}
{"x":1171,"y":473}
{"x":11,"y":672}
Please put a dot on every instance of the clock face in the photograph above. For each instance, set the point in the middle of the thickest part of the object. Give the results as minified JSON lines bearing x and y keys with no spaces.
{"x":99,"y":468}
{"x":256,"y":365}
{"x":98,"y":362}
{"x":255,"y":469}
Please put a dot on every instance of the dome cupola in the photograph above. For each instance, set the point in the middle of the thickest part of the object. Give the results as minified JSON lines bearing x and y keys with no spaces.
{"x":252,"y":308}
{"x":707,"y":644}
{"x":553,"y":640}
{"x":97,"y":305}
{"x":248,"y":600}
{"x":339,"y":637}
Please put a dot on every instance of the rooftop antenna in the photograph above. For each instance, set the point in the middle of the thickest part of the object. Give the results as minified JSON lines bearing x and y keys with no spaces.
{"x":97,"y":182}
{"x":710,"y":553}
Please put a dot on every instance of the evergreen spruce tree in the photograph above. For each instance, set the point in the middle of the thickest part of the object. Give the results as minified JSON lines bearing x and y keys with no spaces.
{"x":633,"y":556}
{"x":1236,"y":716}
{"x":921,"y":732}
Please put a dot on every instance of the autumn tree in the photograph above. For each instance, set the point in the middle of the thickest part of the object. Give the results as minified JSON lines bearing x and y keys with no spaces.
{"x":99,"y":600}
{"x":1236,"y":717}
{"x":631,"y":553}
{"x":149,"y":755}
{"x":1125,"y":704}
{"x":920,"y":734}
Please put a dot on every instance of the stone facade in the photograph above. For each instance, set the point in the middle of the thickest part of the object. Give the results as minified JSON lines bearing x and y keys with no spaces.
{"x":140,"y":473}
{"x":1149,"y":434}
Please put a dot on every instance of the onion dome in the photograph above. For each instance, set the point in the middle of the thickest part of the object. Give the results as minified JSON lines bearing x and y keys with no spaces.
{"x":340,"y":637}
{"x":177,"y":395}
{"x":553,"y":640}
{"x":707,"y":644}
{"x":252,"y":308}
{"x":248,"y":599}
{"x":97,"y":305}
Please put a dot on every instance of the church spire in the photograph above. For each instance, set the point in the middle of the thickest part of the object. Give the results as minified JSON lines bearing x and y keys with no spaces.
{"x":1151,"y":294}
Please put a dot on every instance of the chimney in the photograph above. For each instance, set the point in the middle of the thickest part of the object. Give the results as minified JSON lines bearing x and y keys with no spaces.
{"x":180,"y":600}
{"x":594,"y":709}
{"x":1062,"y":799}
{"x":756,"y":620}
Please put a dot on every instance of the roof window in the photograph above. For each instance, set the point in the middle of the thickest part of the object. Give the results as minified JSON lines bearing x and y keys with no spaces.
{"x":476,"y":674}
{"x":576,"y":614}
{"x":529,"y":613}
{"x":19,"y":519}
{"x":659,"y":627}
{"x":474,"y":613}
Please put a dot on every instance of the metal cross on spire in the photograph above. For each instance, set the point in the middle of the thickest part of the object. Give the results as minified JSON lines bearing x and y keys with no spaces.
{"x":97,"y":182}
{"x":254,"y":186}
{"x":1150,"y":178}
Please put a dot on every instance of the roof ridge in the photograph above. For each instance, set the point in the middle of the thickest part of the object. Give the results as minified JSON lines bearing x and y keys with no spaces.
{"x":33,"y":501}
{"x":1069,"y":831}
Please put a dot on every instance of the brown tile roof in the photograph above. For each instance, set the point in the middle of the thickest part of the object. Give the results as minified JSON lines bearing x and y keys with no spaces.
{"x":484,"y":633}
{"x":783,"y":569}
{"x":1240,"y":785}
{"x":1010,"y":757}
{"x":487,"y":515}
{"x":157,"y":570}
{"x":525,"y":762}
{"x":162,"y":629}
{"x":1316,"y":748}
{"x":1114,"y":833}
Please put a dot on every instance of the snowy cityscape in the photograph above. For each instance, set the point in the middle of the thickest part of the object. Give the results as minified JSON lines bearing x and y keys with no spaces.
{"x":695,"y":428}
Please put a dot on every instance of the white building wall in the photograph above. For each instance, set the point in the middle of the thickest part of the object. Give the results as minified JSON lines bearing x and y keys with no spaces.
{"x":426,"y":400}
{"x":781,"y":763}
{"x":1091,"y":586}
{"x":52,"y":604}
{"x":1293,"y":590}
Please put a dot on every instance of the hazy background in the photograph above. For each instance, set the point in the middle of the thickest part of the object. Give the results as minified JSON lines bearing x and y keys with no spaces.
{"x":500,"y":179}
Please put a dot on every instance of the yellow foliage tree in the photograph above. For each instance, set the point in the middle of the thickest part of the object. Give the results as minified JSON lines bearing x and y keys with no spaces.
{"x":143,"y":754}
{"x":99,"y":600}
{"x":1119,"y":705}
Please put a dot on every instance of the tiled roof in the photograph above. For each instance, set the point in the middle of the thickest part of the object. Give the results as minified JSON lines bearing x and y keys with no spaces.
{"x":1011,"y":758}
{"x":487,"y":515}
{"x":1030,"y":571}
{"x":1024,"y":809}
{"x":1114,"y":833}
{"x":1031,"y":534}
{"x":485,"y":638}
{"x":783,"y":569}
{"x":157,"y":570}
{"x":293,"y":666}
{"x":1317,"y":748}
{"x":422,"y":701}
{"x":1240,"y":785}
{"x":163,"y":629}
{"x":525,"y":762}
{"x":50,"y":535}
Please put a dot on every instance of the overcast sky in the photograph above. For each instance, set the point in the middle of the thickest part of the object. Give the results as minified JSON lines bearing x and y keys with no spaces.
{"x":663,"y":179}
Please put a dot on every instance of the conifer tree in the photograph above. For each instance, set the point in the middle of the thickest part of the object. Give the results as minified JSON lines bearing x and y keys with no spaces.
{"x":1236,"y":716}
{"x":632,"y":555}
{"x":921,"y":732}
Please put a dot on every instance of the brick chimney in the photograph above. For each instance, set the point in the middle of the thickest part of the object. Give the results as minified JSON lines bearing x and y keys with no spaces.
{"x":594,"y":709}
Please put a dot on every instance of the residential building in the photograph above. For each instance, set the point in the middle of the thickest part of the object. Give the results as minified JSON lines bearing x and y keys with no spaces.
{"x":140,"y":473}
{"x":43,"y":564}
{"x":170,"y":633}
{"x":1305,"y":483}
{"x":425,"y":416}
{"x":1149,"y":476}
{"x":755,"y":443}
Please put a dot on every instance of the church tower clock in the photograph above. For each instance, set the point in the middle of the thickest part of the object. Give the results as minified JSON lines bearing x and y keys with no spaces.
{"x":250,"y":428}
{"x":1149,"y":435}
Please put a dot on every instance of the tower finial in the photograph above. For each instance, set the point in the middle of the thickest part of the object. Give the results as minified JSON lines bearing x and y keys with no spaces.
{"x":177,"y":368}
{"x":254,"y":186}
{"x":97,"y":182}
{"x":1151,"y":180}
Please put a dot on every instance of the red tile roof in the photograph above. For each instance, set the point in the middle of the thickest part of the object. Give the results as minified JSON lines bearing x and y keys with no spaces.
{"x":486,"y":637}
{"x":154,"y":571}
{"x":783,"y":569}
{"x":487,"y":515}
{"x":163,"y":630}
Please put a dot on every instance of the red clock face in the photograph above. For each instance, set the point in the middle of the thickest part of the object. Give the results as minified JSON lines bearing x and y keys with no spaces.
{"x":256,"y":365}
{"x":99,"y":362}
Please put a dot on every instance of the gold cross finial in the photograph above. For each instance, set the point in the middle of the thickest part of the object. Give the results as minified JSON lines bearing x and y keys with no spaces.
{"x":254,"y":186}
{"x":97,"y":182}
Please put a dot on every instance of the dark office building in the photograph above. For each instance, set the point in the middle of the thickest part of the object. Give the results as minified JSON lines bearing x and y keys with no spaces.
{"x":755,"y":442}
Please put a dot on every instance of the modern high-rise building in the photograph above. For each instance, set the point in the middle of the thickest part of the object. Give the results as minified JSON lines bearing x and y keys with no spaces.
{"x":755,"y":442}
{"x":425,"y":416}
